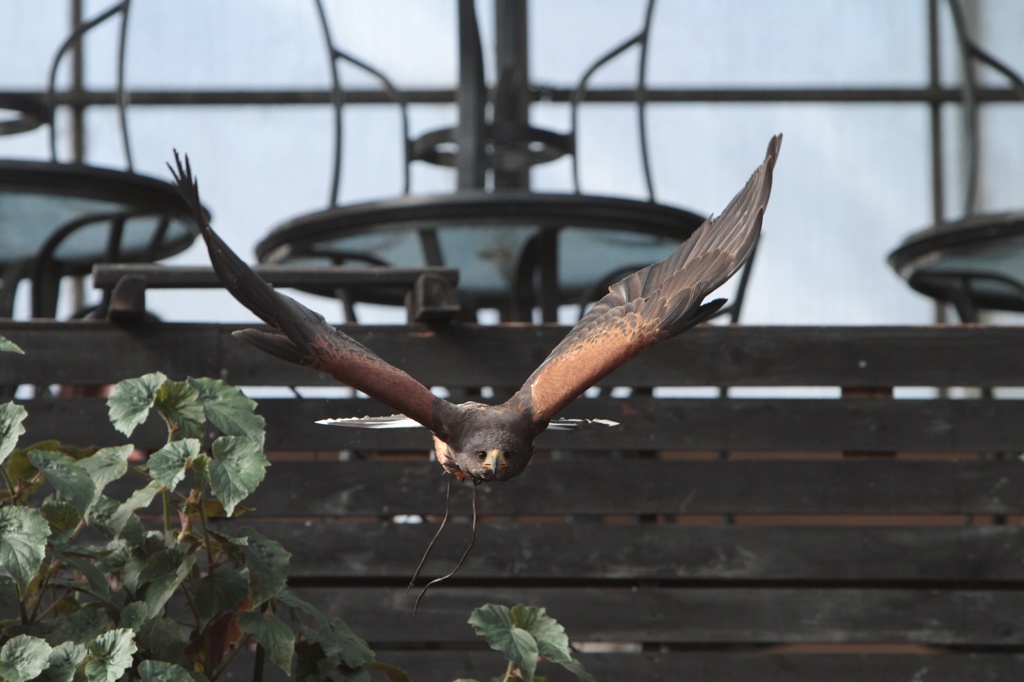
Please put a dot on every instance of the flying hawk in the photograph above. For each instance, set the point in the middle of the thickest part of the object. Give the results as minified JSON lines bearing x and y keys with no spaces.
{"x":495,"y":442}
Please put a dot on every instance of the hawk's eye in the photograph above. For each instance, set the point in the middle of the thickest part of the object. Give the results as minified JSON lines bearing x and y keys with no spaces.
{"x":507,"y":454}
{"x":481,"y":455}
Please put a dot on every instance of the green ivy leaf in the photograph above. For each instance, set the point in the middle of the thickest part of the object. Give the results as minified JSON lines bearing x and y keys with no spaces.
{"x":161,"y":561}
{"x":521,"y":648}
{"x":130,"y":401}
{"x":140,"y":499}
{"x":112,"y":517}
{"x":178,"y":403}
{"x":111,"y":655}
{"x":67,"y":477}
{"x":62,"y":518}
{"x":133,"y":615}
{"x":11,"y":417}
{"x":552,"y":642}
{"x":338,"y":642}
{"x":494,"y":622}
{"x":173,"y":568}
{"x":113,"y":556}
{"x":201,"y":469}
{"x":221,"y":591}
{"x":229,"y":409}
{"x":99,"y":584}
{"x":8,"y":593}
{"x":8,"y":346}
{"x":23,"y":657}
{"x":273,"y":635}
{"x":304,"y":608}
{"x":20,"y":469}
{"x":82,"y":626}
{"x":64,"y":659}
{"x":23,"y":533}
{"x":147,"y":559}
{"x":102,"y":516}
{"x":159,"y":671}
{"x":267,"y":562}
{"x":106,"y":465}
{"x":576,"y":668}
{"x":168,"y":464}
{"x":237,"y":468}
{"x":162,"y":637}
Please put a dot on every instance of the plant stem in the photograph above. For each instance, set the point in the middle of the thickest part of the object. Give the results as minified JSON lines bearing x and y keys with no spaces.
{"x":43,"y":584}
{"x":76,"y":531}
{"x":9,"y":483}
{"x":167,"y":512}
{"x":206,"y":533}
{"x":508,"y":672}
{"x":68,"y":592}
{"x":191,"y":605}
{"x":22,"y":609}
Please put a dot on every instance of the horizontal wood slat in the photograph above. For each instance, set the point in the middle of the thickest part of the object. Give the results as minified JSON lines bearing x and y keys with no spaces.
{"x":854,"y":424}
{"x":445,"y":666}
{"x":469,"y":355}
{"x":580,"y":552}
{"x":712,"y":615}
{"x":742,"y":667}
{"x":607,"y":486}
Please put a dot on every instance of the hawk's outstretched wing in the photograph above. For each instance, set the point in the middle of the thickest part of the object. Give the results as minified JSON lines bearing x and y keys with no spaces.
{"x":652,"y":304}
{"x":305,"y":338}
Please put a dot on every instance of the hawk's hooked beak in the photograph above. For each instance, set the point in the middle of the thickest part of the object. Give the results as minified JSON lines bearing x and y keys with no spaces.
{"x":494,"y":461}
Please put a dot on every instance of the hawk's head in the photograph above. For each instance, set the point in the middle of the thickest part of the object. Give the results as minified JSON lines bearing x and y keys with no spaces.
{"x":490,"y":444}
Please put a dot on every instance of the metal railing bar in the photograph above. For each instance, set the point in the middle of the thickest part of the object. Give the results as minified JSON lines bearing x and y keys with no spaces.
{"x":870,"y":95}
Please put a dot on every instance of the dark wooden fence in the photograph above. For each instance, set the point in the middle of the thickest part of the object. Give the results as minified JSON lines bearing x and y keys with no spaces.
{"x":841,"y":516}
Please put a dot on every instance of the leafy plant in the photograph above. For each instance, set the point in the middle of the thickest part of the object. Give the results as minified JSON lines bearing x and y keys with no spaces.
{"x":526,"y":635}
{"x":92,"y":586}
{"x":94,"y":594}
{"x":6,"y":345}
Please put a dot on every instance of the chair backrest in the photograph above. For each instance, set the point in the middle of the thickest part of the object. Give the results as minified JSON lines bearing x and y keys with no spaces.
{"x":505,"y":145}
{"x":971,"y":54}
{"x":73,"y":41}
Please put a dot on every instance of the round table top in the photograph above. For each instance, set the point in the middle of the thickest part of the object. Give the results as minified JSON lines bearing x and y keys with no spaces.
{"x":21,"y":113}
{"x":37,"y":199}
{"x":986,"y":250}
{"x":484,"y":235}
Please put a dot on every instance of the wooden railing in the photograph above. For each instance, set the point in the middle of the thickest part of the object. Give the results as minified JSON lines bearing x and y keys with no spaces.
{"x":854,"y":514}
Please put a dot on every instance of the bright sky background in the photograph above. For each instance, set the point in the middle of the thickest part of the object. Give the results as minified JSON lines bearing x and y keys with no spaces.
{"x":851,"y":182}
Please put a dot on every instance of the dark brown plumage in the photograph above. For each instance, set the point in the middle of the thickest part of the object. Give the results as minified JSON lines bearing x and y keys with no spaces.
{"x":495,"y":443}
